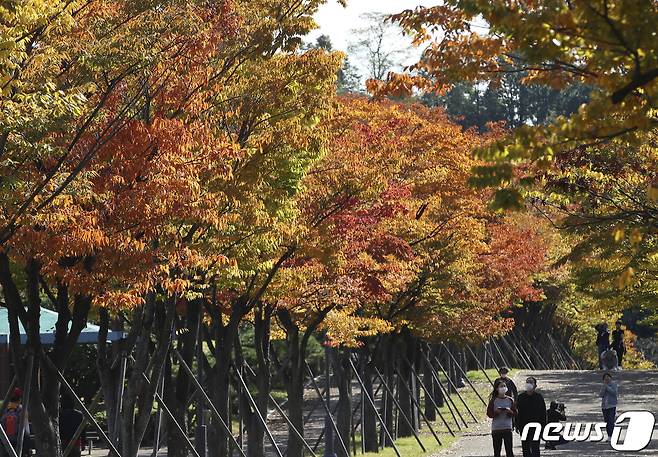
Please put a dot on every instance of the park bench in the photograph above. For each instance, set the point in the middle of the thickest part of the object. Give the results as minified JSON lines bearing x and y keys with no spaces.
{"x":92,"y":437}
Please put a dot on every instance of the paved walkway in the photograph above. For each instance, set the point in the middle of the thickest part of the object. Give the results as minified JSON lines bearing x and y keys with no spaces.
{"x":638,"y":390}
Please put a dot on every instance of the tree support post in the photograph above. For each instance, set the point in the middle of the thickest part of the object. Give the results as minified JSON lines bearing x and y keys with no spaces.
{"x":415,"y":402}
{"x":397,"y":405}
{"x":78,"y":432}
{"x":5,"y":441}
{"x":161,"y":403}
{"x":519,"y":343}
{"x":427,"y":392}
{"x":82,"y":406}
{"x":479,"y":366}
{"x":207,"y":399}
{"x":522,"y":354}
{"x":450,"y":403}
{"x":285,"y":417}
{"x":123,"y":361}
{"x":327,"y":410}
{"x":27,"y":391}
{"x":158,"y":422}
{"x":500,"y":353}
{"x":438,"y":381}
{"x":374,"y":407}
{"x":257,"y":411}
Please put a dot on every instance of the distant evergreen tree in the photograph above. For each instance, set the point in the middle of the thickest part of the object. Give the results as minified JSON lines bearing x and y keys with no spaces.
{"x":348,"y":79}
{"x":510,"y":101}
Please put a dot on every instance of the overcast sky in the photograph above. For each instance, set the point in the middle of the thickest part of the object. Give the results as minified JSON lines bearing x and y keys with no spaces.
{"x":338,"y":22}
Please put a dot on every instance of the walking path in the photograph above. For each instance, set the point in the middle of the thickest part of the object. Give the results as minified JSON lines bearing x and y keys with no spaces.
{"x":638,"y":390}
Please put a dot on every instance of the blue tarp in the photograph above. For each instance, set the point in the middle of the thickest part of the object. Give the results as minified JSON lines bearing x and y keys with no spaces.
{"x":47,"y":323}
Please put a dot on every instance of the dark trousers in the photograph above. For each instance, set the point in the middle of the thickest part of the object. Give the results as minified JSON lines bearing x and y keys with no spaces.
{"x":609,"y":419}
{"x":620,"y":357}
{"x":530,"y":448}
{"x":499,"y":437}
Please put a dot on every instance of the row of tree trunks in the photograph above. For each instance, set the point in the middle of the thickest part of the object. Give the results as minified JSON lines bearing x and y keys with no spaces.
{"x":398,"y":356}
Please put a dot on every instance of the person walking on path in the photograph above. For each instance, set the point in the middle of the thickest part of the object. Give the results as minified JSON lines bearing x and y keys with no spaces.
{"x":501,"y":409}
{"x":609,"y":392}
{"x":618,"y":343}
{"x":602,"y":341}
{"x":11,"y":419}
{"x":512,"y":391}
{"x":531,"y":408}
{"x":69,"y":421}
{"x":554,"y":415}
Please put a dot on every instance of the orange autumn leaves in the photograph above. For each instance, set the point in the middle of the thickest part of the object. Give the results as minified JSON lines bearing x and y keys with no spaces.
{"x":394,"y":236}
{"x":200,"y":170}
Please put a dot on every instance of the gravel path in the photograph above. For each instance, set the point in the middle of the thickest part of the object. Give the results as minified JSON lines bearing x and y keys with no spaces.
{"x":638,"y":390}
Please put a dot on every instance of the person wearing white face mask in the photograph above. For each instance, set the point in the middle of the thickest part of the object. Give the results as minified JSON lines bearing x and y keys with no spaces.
{"x":531,"y":408}
{"x":501,"y":409}
{"x":512,"y":391}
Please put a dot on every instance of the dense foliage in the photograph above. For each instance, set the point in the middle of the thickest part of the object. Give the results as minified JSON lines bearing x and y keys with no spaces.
{"x":183,"y":170}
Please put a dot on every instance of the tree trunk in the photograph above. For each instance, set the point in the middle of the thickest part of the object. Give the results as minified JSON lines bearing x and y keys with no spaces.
{"x":388,"y":358}
{"x":295,"y":389}
{"x":223,"y":340}
{"x":430,"y":385}
{"x":438,"y":392}
{"x":369,"y":419}
{"x":147,"y":369}
{"x":43,"y":407}
{"x":255,"y":429}
{"x":344,"y":411}
{"x":294,"y":375}
{"x":109,"y":374}
{"x":177,"y":398}
{"x":406,"y":389}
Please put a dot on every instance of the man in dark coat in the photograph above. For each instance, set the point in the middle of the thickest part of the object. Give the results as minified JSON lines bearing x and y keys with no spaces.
{"x":602,"y":341}
{"x":618,"y":343}
{"x":531,"y":408}
{"x":512,"y":391}
{"x":69,"y":421}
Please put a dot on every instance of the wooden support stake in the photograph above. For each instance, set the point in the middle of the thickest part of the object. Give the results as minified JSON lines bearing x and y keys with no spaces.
{"x":479,"y":366}
{"x":209,"y":402}
{"x":415,"y":402}
{"x":286,"y":418}
{"x":448,"y":398}
{"x":82,"y":406}
{"x":438,"y":381}
{"x":258,"y":414}
{"x":327,"y":410}
{"x":165,"y":408}
{"x":429,"y":395}
{"x":5,"y":441}
{"x":404,"y":416}
{"x":78,"y":432}
{"x":374,"y":407}
{"x":27,"y":393}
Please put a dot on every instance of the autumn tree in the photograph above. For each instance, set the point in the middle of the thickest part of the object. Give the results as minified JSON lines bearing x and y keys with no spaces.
{"x":606,"y":45}
{"x":569,"y":167}
{"x":133,"y":167}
